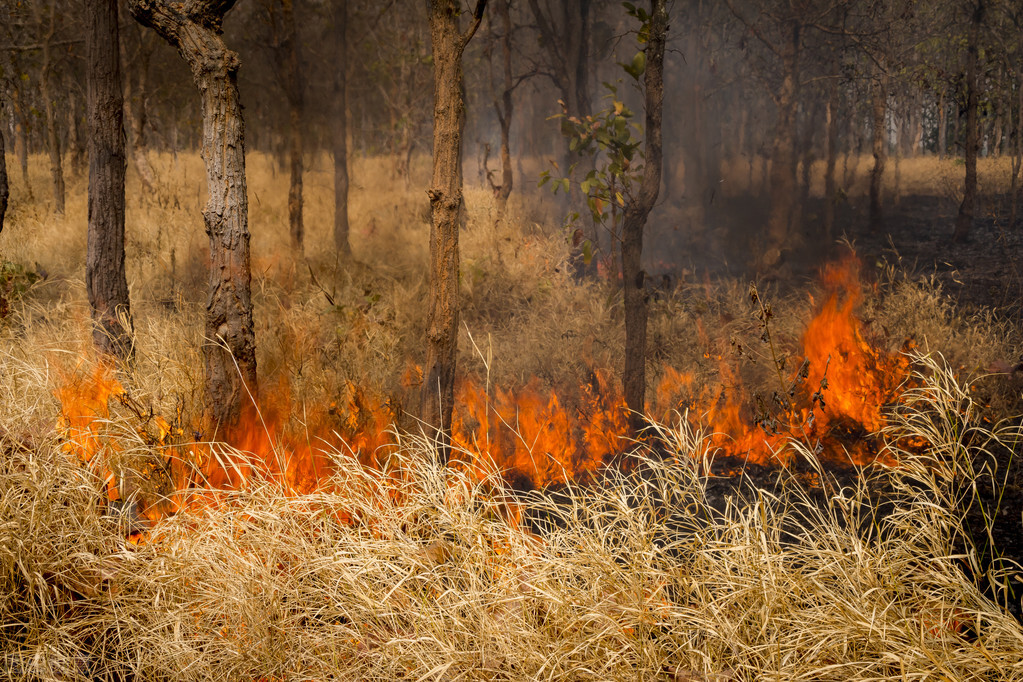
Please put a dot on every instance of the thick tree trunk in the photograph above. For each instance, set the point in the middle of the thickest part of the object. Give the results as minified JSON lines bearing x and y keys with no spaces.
{"x":783,"y":155}
{"x":636,"y":213}
{"x":438,"y":390}
{"x":340,"y":131}
{"x":52,"y":134}
{"x":4,"y":191}
{"x":879,"y":111}
{"x":194,"y":28}
{"x":964,"y":221}
{"x":830,"y":195}
{"x":104,"y":263}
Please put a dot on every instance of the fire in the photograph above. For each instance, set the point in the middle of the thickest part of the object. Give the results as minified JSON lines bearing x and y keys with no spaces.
{"x":536,"y":435}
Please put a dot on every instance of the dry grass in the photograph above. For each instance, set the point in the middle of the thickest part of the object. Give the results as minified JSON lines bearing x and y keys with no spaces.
{"x":413,"y":573}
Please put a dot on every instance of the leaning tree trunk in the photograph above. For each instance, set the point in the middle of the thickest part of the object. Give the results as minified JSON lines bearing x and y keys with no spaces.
{"x":879,"y":111}
{"x":964,"y":221}
{"x":194,"y":28}
{"x":636,"y":213}
{"x":3,"y":173}
{"x":448,"y":43}
{"x":340,"y":132}
{"x":104,"y":262}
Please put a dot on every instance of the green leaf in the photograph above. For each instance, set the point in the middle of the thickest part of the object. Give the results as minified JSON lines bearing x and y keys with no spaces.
{"x":637,"y":66}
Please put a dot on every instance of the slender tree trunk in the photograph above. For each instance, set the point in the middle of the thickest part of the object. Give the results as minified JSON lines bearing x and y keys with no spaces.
{"x":879,"y":111}
{"x":137,"y":115}
{"x":76,"y":152}
{"x":4,"y":190}
{"x":230,"y":348}
{"x":1017,"y":153}
{"x":636,"y":213}
{"x":830,"y":194}
{"x":104,"y":263}
{"x":52,"y":134}
{"x":504,"y":110}
{"x":340,"y":130}
{"x":964,"y":221}
{"x":21,"y":141}
{"x":294,"y":90}
{"x":942,"y":126}
{"x":448,"y":43}
{"x":783,"y":155}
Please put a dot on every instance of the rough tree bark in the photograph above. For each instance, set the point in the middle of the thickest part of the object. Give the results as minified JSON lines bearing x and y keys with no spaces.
{"x":636,"y":213}
{"x":448,"y":43}
{"x":104,"y":263}
{"x":340,"y":131}
{"x":964,"y":221}
{"x":879,"y":111}
{"x":194,"y":28}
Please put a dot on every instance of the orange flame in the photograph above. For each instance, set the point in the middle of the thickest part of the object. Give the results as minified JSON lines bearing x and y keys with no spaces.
{"x":537,"y":436}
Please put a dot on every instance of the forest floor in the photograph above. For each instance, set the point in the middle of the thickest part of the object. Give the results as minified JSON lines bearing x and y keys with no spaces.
{"x":734,"y":550}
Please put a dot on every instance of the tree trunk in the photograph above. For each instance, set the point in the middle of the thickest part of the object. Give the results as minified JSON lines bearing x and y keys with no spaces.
{"x":76,"y":152}
{"x":4,"y":191}
{"x":340,"y":140}
{"x":21,"y":141}
{"x":230,"y":349}
{"x":964,"y":221}
{"x":438,"y":391}
{"x":137,"y":115}
{"x":289,"y":61}
{"x":636,"y":213}
{"x":830,"y":194}
{"x":504,"y":110}
{"x":783,"y":155}
{"x":879,"y":110}
{"x":104,"y":263}
{"x":52,"y":134}
{"x":1017,"y":153}
{"x":942,"y":126}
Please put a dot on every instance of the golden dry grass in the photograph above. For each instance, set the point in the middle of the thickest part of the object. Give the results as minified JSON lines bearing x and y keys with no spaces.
{"x":641,"y":577}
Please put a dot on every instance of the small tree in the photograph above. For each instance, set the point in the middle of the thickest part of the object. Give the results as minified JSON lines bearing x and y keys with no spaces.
{"x":621,"y":192}
{"x":448,"y":42}
{"x":104,"y":263}
{"x":194,"y":28}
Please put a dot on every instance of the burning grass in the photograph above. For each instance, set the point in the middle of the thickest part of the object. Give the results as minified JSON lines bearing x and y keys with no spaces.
{"x":410,"y":572}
